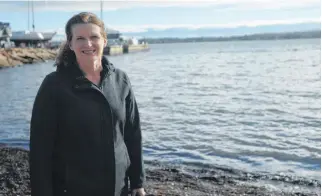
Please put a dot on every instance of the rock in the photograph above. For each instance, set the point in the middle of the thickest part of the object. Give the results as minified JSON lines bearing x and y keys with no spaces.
{"x":3,"y":61}
{"x":14,"y":180}
{"x":20,"y":56}
{"x":15,"y":56}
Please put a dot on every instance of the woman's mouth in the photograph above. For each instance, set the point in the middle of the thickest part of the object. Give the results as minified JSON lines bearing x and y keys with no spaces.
{"x":90,"y":52}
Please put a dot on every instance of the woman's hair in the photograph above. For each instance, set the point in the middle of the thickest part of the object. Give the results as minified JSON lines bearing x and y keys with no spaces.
{"x":65,"y":55}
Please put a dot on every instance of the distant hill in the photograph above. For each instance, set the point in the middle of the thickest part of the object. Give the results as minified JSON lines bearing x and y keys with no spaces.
{"x":259,"y":36}
{"x":218,"y":32}
{"x":301,"y":30}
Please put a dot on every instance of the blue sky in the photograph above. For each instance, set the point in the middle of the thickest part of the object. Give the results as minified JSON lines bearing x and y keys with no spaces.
{"x":139,"y":16}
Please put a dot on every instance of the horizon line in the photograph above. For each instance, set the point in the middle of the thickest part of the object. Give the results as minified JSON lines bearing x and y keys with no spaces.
{"x":126,"y":29}
{"x":229,"y":36}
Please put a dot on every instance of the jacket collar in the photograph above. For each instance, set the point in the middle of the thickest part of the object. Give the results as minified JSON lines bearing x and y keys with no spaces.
{"x":75,"y":72}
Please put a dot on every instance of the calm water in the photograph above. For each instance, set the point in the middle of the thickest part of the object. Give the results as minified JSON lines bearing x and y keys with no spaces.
{"x":246,"y":105}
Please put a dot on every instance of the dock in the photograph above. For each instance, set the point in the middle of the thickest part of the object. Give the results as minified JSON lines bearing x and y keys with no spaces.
{"x":118,"y":44}
{"x":125,"y":49}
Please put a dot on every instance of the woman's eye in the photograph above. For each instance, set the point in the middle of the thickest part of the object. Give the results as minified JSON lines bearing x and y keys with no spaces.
{"x":96,"y":37}
{"x":79,"y":38}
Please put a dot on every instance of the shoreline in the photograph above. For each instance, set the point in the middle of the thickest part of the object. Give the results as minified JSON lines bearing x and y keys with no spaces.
{"x":273,"y":36}
{"x":12,"y":57}
{"x":170,"y":180}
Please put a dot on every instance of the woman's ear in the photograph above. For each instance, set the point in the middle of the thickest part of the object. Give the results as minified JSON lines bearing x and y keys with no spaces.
{"x":105,"y":42}
{"x":70,"y":46}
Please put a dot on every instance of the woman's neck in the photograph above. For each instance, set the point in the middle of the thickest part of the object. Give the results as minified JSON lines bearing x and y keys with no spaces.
{"x":91,"y":70}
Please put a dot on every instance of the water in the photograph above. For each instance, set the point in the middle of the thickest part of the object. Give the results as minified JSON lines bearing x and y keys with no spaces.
{"x":251,"y":105}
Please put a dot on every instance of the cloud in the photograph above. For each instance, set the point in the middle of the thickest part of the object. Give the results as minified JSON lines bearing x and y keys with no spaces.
{"x":156,"y":27}
{"x":219,"y":6}
{"x":71,"y":6}
{"x":248,"y":5}
{"x":144,"y":28}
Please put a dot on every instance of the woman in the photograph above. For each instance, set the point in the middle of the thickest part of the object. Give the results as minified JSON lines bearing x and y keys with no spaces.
{"x":85,"y":135}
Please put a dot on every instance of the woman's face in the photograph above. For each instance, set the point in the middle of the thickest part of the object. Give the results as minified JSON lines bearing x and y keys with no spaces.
{"x":87,"y":42}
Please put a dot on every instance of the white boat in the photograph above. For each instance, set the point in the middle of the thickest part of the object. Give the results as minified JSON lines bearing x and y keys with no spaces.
{"x":31,"y":38}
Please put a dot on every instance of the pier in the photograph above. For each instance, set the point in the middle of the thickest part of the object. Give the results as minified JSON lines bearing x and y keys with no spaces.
{"x":124,"y":49}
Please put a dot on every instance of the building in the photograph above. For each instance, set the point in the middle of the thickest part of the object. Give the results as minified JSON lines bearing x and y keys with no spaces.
{"x":113,"y":37}
{"x":5,"y":34}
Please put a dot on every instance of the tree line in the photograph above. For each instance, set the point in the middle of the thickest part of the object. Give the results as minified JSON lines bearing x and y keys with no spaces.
{"x":261,"y":36}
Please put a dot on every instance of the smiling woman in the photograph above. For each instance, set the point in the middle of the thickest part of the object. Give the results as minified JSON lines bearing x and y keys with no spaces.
{"x":85,"y":134}
{"x":88,"y":44}
{"x":85,"y":32}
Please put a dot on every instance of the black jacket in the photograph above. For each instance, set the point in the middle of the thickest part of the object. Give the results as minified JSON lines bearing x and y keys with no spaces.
{"x":85,"y":139}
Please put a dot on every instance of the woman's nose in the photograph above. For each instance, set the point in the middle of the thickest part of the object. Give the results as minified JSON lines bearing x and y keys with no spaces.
{"x":88,"y":42}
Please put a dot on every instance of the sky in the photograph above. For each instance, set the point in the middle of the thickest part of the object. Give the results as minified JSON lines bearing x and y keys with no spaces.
{"x":140,"y":16}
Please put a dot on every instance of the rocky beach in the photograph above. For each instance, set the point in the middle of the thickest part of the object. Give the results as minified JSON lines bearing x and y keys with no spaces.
{"x":170,"y":180}
{"x":10,"y":57}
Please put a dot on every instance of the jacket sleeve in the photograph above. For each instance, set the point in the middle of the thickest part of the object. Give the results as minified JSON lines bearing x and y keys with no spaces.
{"x":42,"y":134}
{"x":133,"y":140}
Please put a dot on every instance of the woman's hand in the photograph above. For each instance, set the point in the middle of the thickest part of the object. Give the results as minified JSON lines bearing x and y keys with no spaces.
{"x":139,"y":192}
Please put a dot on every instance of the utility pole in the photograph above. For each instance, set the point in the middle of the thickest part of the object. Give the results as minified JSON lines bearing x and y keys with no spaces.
{"x":33,"y":18}
{"x":28,"y":15}
{"x":101,"y":10}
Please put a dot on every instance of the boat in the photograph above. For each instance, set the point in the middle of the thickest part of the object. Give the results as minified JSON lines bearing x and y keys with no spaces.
{"x":118,"y":44}
{"x":32,"y":38}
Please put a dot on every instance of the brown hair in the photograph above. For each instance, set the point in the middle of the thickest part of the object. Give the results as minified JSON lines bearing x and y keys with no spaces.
{"x":65,"y":55}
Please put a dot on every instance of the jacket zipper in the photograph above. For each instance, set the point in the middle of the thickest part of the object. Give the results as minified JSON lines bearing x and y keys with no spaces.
{"x":102,"y":131}
{"x":101,"y":110}
{"x":66,"y":180}
{"x":99,"y":89}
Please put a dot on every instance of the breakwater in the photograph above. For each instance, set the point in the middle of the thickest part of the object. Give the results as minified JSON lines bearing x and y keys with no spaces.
{"x":10,"y":57}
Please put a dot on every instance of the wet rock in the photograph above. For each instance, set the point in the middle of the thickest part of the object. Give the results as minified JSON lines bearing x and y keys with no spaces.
{"x":162,"y":180}
{"x":14,"y":172}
